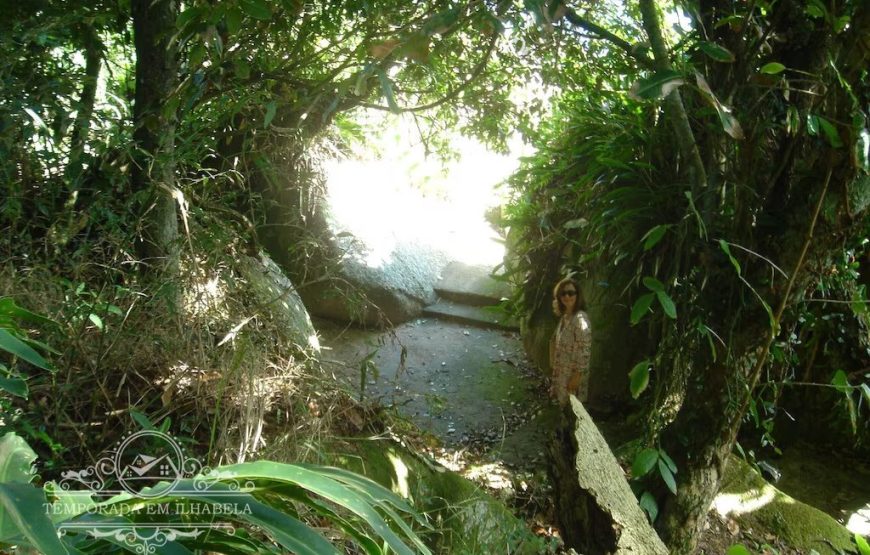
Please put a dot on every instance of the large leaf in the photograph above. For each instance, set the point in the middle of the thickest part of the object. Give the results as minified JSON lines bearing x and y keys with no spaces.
{"x":717,"y":52}
{"x":729,"y":122}
{"x":653,"y":284}
{"x":830,"y":133}
{"x":15,"y":386}
{"x":863,"y":546}
{"x":658,"y":85}
{"x":667,"y":304}
{"x":9,"y":310}
{"x":258,"y":9}
{"x":667,"y":476}
{"x":648,"y":504}
{"x":16,"y":460}
{"x":639,"y":378}
{"x":22,"y":509}
{"x":641,"y":307}
{"x":22,"y":350}
{"x":323,"y":486}
{"x":644,"y":462}
{"x":772,"y":68}
{"x":653,"y":236}
{"x":387,"y":90}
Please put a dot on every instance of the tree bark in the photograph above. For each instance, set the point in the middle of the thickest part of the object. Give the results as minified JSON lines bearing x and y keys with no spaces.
{"x":79,"y":137}
{"x":154,"y":119}
{"x":597,"y":509}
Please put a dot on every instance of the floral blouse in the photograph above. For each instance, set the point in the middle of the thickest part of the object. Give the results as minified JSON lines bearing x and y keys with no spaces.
{"x":573,"y":342}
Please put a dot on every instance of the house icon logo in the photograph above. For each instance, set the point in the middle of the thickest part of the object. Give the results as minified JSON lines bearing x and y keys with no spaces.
{"x":149,"y":464}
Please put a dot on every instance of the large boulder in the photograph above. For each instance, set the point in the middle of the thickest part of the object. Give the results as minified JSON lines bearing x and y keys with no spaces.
{"x":747,"y":499}
{"x":376,"y":288}
{"x":276,"y":297}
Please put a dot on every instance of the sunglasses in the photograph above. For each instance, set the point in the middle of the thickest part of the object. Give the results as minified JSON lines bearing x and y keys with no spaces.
{"x":568,"y":294}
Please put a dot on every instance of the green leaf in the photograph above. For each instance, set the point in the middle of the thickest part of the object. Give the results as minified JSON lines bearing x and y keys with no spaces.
{"x":863,"y":546}
{"x":729,"y":122}
{"x":234,"y":19}
{"x":658,"y":85}
{"x":772,"y":68}
{"x":188,"y":15}
{"x":258,"y":9}
{"x":841,"y":382}
{"x":641,"y":307}
{"x":22,"y":350}
{"x":97,"y":321}
{"x":738,"y":549}
{"x":22,"y":509}
{"x":865,"y":390}
{"x":143,"y":421}
{"x":15,"y":386}
{"x":727,"y":250}
{"x":16,"y":460}
{"x":653,"y":236}
{"x":639,"y":378}
{"x":812,"y":124}
{"x":653,"y":284}
{"x":717,"y":52}
{"x":830,"y":133}
{"x":197,"y":55}
{"x":8,"y":309}
{"x":387,"y":90}
{"x":667,"y":304}
{"x":644,"y":462}
{"x":667,"y":476}
{"x":668,"y":460}
{"x":323,"y":486}
{"x":649,"y":505}
{"x":841,"y":23}
{"x":243,"y":70}
{"x":816,"y":9}
{"x":271,"y":109}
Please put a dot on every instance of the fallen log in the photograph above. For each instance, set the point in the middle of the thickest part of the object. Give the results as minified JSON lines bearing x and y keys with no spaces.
{"x":597,"y":510}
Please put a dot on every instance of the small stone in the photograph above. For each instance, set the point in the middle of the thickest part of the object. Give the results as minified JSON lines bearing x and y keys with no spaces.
{"x":443,"y":364}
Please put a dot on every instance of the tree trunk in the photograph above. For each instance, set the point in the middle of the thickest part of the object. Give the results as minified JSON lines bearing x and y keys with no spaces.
{"x":154,"y":121}
{"x":597,"y":509}
{"x":79,"y":137}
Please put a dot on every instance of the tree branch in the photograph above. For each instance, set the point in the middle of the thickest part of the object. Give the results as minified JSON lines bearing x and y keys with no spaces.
{"x":630,"y":49}
{"x":475,"y":73}
{"x":673,"y":102}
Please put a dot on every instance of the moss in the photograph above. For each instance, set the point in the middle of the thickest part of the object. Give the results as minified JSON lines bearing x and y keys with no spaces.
{"x":498,"y":384}
{"x":466,"y":519}
{"x":765,"y":507}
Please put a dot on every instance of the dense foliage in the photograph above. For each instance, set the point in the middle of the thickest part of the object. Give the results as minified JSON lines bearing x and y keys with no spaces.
{"x":714,"y":176}
{"x":723,"y":197}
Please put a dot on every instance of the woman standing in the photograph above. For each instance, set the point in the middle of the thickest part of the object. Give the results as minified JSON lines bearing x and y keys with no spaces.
{"x":570,"y":347}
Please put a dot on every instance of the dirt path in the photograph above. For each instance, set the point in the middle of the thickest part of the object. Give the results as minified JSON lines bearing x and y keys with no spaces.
{"x":472,"y":388}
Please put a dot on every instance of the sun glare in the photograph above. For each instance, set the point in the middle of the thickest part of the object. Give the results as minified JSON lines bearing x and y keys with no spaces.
{"x":403,"y":198}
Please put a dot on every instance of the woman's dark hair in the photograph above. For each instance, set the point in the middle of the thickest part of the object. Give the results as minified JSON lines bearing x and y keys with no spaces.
{"x":558,"y":306}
